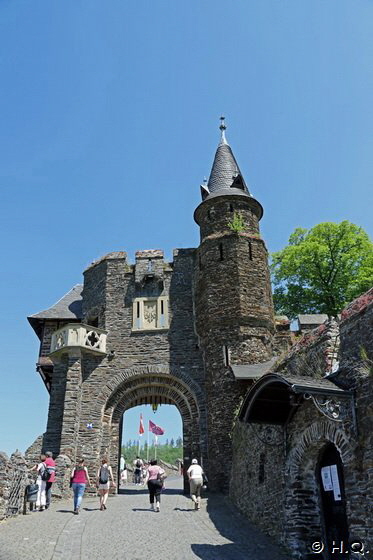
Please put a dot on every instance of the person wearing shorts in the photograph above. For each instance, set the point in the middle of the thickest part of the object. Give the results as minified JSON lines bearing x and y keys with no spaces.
{"x":104,"y":479}
{"x":195,"y":481}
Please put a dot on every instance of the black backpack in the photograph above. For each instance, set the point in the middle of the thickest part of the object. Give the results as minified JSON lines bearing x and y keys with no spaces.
{"x":138,"y":463}
{"x":104,"y":475}
{"x":44,"y":473}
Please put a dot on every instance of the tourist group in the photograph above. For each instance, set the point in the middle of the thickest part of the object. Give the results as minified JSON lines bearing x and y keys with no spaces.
{"x":149,"y":474}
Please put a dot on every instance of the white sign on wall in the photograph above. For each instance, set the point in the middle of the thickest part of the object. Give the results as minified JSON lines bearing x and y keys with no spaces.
{"x":330,"y":481}
{"x":335,"y":481}
{"x":326,"y":478}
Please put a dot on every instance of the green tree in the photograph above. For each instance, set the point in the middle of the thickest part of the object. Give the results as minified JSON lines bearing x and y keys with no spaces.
{"x":322,"y":269}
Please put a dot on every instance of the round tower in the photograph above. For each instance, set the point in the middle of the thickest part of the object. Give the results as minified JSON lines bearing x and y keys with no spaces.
{"x":233,"y":300}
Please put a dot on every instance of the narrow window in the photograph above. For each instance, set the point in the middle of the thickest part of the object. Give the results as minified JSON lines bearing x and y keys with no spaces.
{"x":162,"y":307}
{"x":261,"y":471}
{"x":226,"y":355}
{"x":221,"y":253}
{"x":138,"y":310}
{"x":250,"y":251}
{"x":231,"y":208}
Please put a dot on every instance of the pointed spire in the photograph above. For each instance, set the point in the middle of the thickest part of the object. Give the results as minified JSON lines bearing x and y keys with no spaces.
{"x":225,"y":173}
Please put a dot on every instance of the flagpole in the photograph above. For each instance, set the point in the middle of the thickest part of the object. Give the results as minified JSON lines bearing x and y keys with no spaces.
{"x":155,"y":446}
{"x":147,"y":449}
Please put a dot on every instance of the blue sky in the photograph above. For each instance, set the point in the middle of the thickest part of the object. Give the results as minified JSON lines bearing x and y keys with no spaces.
{"x":110,"y":115}
{"x":166,"y":417}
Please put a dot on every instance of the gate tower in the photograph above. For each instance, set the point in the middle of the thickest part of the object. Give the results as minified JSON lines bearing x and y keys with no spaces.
{"x":233,"y":300}
{"x":154,"y":332}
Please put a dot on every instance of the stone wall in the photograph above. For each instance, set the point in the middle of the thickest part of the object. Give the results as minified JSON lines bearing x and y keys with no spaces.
{"x":287,"y":503}
{"x":33,"y":452}
{"x":313,"y":354}
{"x":257,"y":481}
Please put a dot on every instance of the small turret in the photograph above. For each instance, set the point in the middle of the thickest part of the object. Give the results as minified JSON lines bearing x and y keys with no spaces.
{"x":226,"y":180}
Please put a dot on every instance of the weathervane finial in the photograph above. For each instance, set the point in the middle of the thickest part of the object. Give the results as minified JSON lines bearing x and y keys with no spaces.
{"x":223,"y":128}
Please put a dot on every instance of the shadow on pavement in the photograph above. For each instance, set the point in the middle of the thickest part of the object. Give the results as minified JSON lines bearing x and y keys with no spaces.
{"x":64,"y":511}
{"x":220,"y":552}
{"x":247,"y":541}
{"x":181,"y":509}
{"x":132,"y":491}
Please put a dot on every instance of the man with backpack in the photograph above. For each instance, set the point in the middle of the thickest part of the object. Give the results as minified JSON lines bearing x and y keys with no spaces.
{"x":137,"y":469}
{"x":51,"y":476}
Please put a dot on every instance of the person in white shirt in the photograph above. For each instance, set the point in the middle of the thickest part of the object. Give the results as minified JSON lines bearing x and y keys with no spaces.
{"x":195,"y":481}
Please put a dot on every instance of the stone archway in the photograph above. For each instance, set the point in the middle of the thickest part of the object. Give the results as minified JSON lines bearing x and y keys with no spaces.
{"x":145,"y":385}
{"x":302,"y":506}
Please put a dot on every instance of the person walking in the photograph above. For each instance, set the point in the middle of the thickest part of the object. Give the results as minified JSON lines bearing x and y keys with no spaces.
{"x":51,"y":469}
{"x":41,"y":482}
{"x":155,"y":476}
{"x":123,"y":470}
{"x":137,"y":466}
{"x":79,"y":479}
{"x":104,"y":476}
{"x":195,"y":477}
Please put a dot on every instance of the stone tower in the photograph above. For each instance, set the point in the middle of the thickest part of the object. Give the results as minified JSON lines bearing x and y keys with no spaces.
{"x":233,"y":301}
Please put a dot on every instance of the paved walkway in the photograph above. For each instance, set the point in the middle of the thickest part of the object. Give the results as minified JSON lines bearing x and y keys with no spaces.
{"x":128,"y":530}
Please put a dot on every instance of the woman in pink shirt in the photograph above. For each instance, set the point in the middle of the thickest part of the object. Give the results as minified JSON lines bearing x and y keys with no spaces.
{"x":79,"y":478}
{"x":154,"y":477}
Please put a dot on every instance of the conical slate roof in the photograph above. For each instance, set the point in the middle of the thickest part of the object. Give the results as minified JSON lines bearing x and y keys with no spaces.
{"x":226,"y":179}
{"x":224,"y":169}
{"x":225,"y":173}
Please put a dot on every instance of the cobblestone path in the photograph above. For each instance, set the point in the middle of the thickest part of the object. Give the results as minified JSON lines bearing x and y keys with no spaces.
{"x":128,"y":530}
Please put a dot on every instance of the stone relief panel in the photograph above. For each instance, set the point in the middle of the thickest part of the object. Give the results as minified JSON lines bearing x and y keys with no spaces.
{"x":150,"y":313}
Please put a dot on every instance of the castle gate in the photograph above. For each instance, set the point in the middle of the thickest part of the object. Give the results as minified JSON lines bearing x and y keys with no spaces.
{"x":186,"y":332}
{"x":154,"y":386}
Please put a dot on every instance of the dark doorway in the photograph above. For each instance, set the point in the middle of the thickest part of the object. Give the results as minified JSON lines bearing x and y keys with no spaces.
{"x":333,"y":502}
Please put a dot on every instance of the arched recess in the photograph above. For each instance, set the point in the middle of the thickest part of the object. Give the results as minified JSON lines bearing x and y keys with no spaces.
{"x":304,"y":523}
{"x":148,"y":385}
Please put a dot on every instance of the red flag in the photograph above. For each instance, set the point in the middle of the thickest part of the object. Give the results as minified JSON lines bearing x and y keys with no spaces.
{"x":157,"y":430}
{"x":141,"y":427}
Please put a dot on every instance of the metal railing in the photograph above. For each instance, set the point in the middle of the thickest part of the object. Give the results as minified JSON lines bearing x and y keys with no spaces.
{"x":16,"y":499}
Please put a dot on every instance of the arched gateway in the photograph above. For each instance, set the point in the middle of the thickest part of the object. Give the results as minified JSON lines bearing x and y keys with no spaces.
{"x":184,"y":332}
{"x":153,"y":385}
